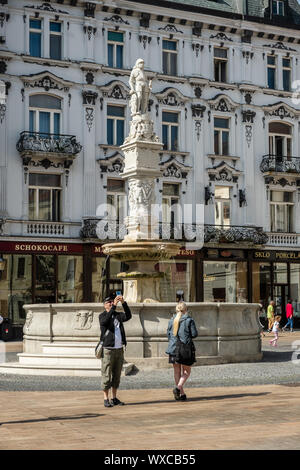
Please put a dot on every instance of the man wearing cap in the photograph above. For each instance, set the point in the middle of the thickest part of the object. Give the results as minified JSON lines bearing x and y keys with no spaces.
{"x":113,"y":338}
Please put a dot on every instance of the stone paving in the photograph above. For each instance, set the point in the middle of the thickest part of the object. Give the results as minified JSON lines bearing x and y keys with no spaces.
{"x":214,"y":418}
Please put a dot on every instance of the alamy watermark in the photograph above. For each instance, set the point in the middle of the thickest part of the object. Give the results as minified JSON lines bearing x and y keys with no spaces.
{"x":2,"y":352}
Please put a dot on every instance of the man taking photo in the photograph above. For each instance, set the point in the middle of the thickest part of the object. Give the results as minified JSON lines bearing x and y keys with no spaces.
{"x":114,"y":338}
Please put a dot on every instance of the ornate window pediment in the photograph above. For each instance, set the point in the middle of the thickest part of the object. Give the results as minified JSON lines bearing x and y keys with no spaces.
{"x":46,"y":80}
{"x":112,"y":164}
{"x":223,"y":172}
{"x":116,"y":90}
{"x":171,"y":97}
{"x":172,"y":168}
{"x":223,"y":103}
{"x":281,"y":110}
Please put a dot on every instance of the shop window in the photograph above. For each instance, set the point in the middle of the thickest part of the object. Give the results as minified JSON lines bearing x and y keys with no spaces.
{"x":115,"y":48}
{"x":220,"y":64}
{"x":178,"y":281}
{"x":35,"y":37}
{"x":99,"y":279}
{"x":169,"y":57}
{"x":225,"y":281}
{"x":295,"y":287}
{"x":222,"y":205}
{"x":44,"y":197}
{"x":115,"y":125}
{"x":70,"y":279}
{"x":44,"y":114}
{"x":221,"y":136}
{"x":261,"y":284}
{"x":116,"y":200}
{"x":281,"y":211}
{"x":170,"y":123}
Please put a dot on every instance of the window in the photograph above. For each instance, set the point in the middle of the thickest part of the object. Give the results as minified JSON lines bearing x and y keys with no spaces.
{"x":115,"y":125}
{"x":278,"y":7}
{"x":280,"y":141}
{"x":221,"y":136}
{"x":115,"y":46}
{"x":55,"y":40}
{"x":169,"y":57}
{"x":116,"y":200}
{"x":44,"y":197}
{"x":170,"y":201}
{"x":44,"y":114}
{"x":222,"y":205}
{"x":225,"y":281}
{"x":35,"y":38}
{"x":170,"y":130}
{"x":286,"y":73}
{"x":281,"y":205}
{"x":271,"y":62}
{"x":220,"y":64}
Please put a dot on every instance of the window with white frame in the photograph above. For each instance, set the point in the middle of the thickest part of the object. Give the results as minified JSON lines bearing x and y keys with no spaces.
{"x":44,"y":197}
{"x":44,"y":114}
{"x":222,"y":205}
{"x":116,"y":200}
{"x":221,"y":136}
{"x":280,"y":139}
{"x":286,"y":73}
{"x":115,"y":49}
{"x":271,"y":69}
{"x":170,"y":201}
{"x":170,"y":130}
{"x":35,"y":37}
{"x":115,"y":124}
{"x":169,"y":51}
{"x":220,"y":64}
{"x":278,"y":7}
{"x":281,"y":211}
{"x":55,"y":40}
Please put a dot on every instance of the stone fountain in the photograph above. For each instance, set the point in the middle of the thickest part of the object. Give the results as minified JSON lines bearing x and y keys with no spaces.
{"x":141,"y":248}
{"x":59,"y":339}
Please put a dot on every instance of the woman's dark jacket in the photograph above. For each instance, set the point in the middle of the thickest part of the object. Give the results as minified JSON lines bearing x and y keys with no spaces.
{"x":186,"y":332}
{"x":106,"y":320}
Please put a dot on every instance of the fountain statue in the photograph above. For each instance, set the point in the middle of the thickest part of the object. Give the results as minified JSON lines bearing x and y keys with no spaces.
{"x":141,"y":248}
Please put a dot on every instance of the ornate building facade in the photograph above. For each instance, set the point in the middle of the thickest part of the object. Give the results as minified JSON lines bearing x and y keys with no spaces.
{"x":224,"y":106}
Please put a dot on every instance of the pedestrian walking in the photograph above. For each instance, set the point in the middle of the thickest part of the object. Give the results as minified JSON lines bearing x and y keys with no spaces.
{"x":114,"y":339}
{"x":181,"y":331}
{"x":275,"y":330}
{"x":270,"y":315}
{"x":289,"y":311}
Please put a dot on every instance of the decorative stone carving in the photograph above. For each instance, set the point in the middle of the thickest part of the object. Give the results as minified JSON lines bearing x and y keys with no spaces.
{"x":89,"y":30}
{"x":141,"y":195}
{"x":248,"y":115}
{"x":223,"y":103}
{"x":84,"y":320}
{"x":248,"y":134}
{"x":47,"y":7}
{"x":279,"y":45}
{"x":281,"y":110}
{"x":139,"y":89}
{"x":145,"y":40}
{"x":171,"y":28}
{"x":46,"y":80}
{"x":89,"y":117}
{"x":116,"y":19}
{"x":198,"y":110}
{"x":221,"y":36}
{"x":89,"y":97}
{"x":171,"y":97}
{"x":2,"y":112}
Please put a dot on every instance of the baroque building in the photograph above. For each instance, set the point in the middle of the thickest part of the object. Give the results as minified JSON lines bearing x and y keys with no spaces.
{"x":224,"y":103}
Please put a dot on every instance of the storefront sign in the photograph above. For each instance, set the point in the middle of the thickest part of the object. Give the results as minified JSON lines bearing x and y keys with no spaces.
{"x":186,"y":253}
{"x":40,"y":248}
{"x":97,"y":249}
{"x":277,"y":255}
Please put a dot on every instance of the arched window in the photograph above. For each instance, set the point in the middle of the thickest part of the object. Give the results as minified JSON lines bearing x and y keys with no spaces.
{"x":45,"y":114}
{"x":280,"y":139}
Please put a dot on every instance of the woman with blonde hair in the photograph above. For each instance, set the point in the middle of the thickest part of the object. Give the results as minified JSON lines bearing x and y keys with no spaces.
{"x":181,"y":350}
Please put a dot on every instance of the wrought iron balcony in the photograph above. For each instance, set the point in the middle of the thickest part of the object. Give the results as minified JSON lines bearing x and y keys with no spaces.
{"x":111,"y":230}
{"x":280,"y":164}
{"x":40,"y":142}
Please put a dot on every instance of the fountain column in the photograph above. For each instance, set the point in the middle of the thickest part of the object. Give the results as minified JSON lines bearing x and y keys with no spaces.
{"x":141,"y":249}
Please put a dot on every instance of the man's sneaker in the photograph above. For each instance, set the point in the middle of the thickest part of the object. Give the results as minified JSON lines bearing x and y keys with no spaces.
{"x":176,"y":393}
{"x":116,"y":401}
{"x":182,"y":397}
{"x":107,"y":404}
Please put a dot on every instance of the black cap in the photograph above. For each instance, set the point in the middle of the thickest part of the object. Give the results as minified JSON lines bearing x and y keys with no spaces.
{"x":109,"y":298}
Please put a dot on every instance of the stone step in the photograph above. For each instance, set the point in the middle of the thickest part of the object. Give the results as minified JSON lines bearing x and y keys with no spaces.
{"x":54,"y":359}
{"x":69,"y":348}
{"x":58,"y":369}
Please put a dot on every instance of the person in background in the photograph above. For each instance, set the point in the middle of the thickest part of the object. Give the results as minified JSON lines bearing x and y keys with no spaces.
{"x":180,"y":326}
{"x":275,"y":330}
{"x":289,"y":311}
{"x":113,"y":337}
{"x":270,"y":315}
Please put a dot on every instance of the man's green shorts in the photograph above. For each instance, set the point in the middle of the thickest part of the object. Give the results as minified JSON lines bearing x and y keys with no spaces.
{"x":112,"y":363}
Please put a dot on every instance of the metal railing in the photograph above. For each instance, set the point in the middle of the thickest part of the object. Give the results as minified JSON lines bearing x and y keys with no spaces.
{"x":48,"y":143}
{"x":280,"y":164}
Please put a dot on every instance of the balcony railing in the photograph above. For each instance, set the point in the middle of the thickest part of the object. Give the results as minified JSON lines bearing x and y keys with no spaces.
{"x":48,"y":143}
{"x":284,"y":239}
{"x":111,"y":230}
{"x":280,"y":164}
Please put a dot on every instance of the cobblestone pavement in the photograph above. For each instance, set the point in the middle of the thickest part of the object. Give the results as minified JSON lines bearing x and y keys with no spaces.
{"x":229,"y":407}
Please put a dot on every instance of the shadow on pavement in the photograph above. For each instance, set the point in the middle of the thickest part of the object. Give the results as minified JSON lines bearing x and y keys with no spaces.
{"x":277,"y":356}
{"x":53,"y":418}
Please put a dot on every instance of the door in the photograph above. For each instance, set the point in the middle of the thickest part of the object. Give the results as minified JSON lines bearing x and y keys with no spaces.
{"x":280,"y":297}
{"x":45,"y":279}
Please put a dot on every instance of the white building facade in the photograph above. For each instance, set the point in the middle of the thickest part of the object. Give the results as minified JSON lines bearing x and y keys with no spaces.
{"x":222,"y":103}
